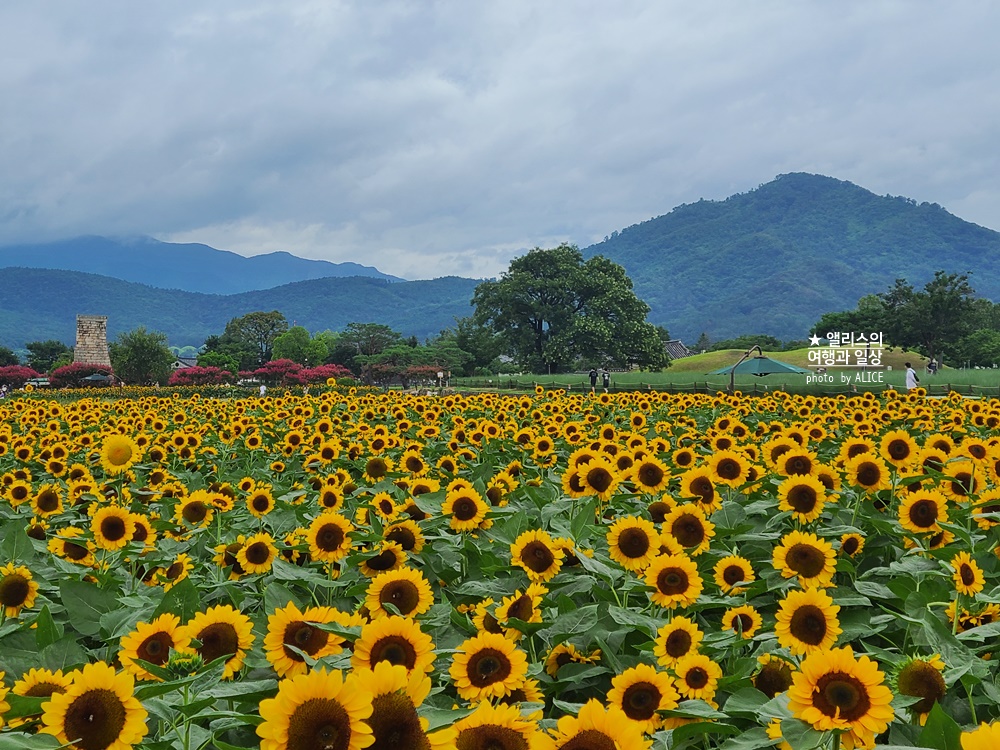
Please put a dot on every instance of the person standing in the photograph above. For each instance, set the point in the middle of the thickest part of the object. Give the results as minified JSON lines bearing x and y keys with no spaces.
{"x":263,"y":390}
{"x":593,"y":379}
{"x":605,"y":379}
{"x":911,"y":377}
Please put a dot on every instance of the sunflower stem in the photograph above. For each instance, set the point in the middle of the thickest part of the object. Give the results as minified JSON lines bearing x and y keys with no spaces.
{"x":972,"y":703}
{"x":958,"y":613}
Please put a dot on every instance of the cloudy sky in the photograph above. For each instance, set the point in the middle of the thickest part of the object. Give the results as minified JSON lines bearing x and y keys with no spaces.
{"x":433,"y":138}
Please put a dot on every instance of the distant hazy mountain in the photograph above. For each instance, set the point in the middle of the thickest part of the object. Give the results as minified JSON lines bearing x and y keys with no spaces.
{"x":166,"y":265}
{"x":773,"y":260}
{"x":41,"y":304}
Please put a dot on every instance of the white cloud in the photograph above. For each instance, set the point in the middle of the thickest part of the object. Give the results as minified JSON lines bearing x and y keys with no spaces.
{"x":444,"y":138}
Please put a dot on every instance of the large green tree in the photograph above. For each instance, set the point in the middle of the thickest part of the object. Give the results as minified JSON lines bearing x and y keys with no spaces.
{"x":255,"y":332}
{"x":140,"y":356}
{"x":297,"y":345}
{"x":7,"y":357}
{"x":43,"y":355}
{"x":552,"y":308}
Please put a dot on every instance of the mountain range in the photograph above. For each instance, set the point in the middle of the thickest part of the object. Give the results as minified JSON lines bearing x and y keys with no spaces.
{"x":771,"y":260}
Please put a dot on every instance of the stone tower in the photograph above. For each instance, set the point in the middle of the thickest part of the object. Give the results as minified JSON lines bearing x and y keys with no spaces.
{"x":92,"y":340}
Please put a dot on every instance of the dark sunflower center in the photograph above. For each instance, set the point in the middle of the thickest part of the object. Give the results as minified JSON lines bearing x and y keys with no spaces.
{"x":685,"y":458}
{"x":521,"y":608}
{"x":841,"y":692}
{"x":742,"y":623}
{"x":14,"y":590}
{"x":414,"y":464}
{"x":95,"y":719}
{"x":395,"y":724}
{"x":678,"y":643}
{"x":924,"y":513}
{"x":175,"y":570}
{"x":492,"y":625}
{"x":330,"y":537}
{"x":857,"y":450}
{"x":773,"y":679}
{"x":465,"y":508}
{"x":376,"y":468}
{"x":402,"y":536}
{"x":394,"y":649}
{"x":898,"y":449}
{"x":850,"y":545}
{"x":921,"y":680}
{"x":195,"y":512}
{"x":537,"y":556}
{"x":304,"y":637}
{"x":703,"y":488}
{"x":728,"y":468}
{"x":141,"y":532}
{"x":688,"y":531}
{"x":402,"y":594}
{"x":155,"y":649}
{"x":217,"y":640}
{"x":385,"y":560}
{"x":869,"y":474}
{"x":633,"y":542}
{"x":37,"y":532}
{"x":672,"y":581}
{"x":258,"y":553}
{"x":319,"y":724}
{"x":75,"y":551}
{"x":968,"y":575}
{"x":43,"y":690}
{"x":696,"y":678}
{"x":806,"y":560}
{"x":488,"y":666}
{"x":977,"y":451}
{"x":599,"y":479}
{"x":640,"y":701}
{"x":494,"y":494}
{"x":19,"y":494}
{"x":48,"y":501}
{"x":808,"y":624}
{"x":650,"y":475}
{"x":261,"y":503}
{"x":495,"y":737}
{"x":733,"y":574}
{"x":803,"y":498}
{"x":963,"y":484}
{"x":658,"y":511}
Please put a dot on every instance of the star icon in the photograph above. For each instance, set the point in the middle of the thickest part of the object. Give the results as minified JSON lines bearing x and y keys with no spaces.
{"x":814,"y":340}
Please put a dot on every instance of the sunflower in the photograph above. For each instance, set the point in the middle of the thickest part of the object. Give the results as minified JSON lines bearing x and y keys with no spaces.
{"x":488,"y":666}
{"x":377,"y":468}
{"x":687,"y":529}
{"x":466,"y":508}
{"x":675,"y":581}
{"x":803,"y":496}
{"x":729,"y":467}
{"x":774,"y":675}
{"x":649,"y":475}
{"x":17,"y":589}
{"x":898,"y":448}
{"x":743,"y":620}
{"x":260,"y":501}
{"x":968,"y":576}
{"x":406,"y":589}
{"x":600,"y":477}
{"x":633,"y":543}
{"x":851,"y":544}
{"x":288,"y":629}
{"x":176,"y":572}
{"x":806,"y":556}
{"x":151,"y":642}
{"x":806,"y":621}
{"x":48,"y":501}
{"x":697,"y":677}
{"x":113,"y":527}
{"x":495,"y":727}
{"x":730,"y":572}
{"x":397,"y":640}
{"x":319,"y":709}
{"x":642,"y":691}
{"x":921,"y":678}
{"x":834,"y":691}
{"x":97,"y":712}
{"x":675,"y":640}
{"x":963,"y":479}
{"x":223,"y":632}
{"x":118,"y":454}
{"x":922,"y":511}
{"x":697,"y":484}
{"x":257,"y":554}
{"x":196,"y":510}
{"x":407,"y":534}
{"x":19,"y":492}
{"x":396,"y":694}
{"x":35,"y":683}
{"x":386,"y":556}
{"x":328,"y":537}
{"x":867,"y":472}
{"x":597,"y":728}
{"x":69,"y":546}
{"x":986,"y":737}
{"x":537,"y":554}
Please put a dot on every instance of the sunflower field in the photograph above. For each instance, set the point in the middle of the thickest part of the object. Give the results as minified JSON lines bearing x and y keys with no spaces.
{"x":351,"y":570}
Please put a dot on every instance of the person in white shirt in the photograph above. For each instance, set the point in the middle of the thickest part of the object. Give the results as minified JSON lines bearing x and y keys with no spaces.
{"x":911,"y":377}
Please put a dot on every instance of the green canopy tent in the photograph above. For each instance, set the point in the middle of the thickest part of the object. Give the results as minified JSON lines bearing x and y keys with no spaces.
{"x":759,"y":366}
